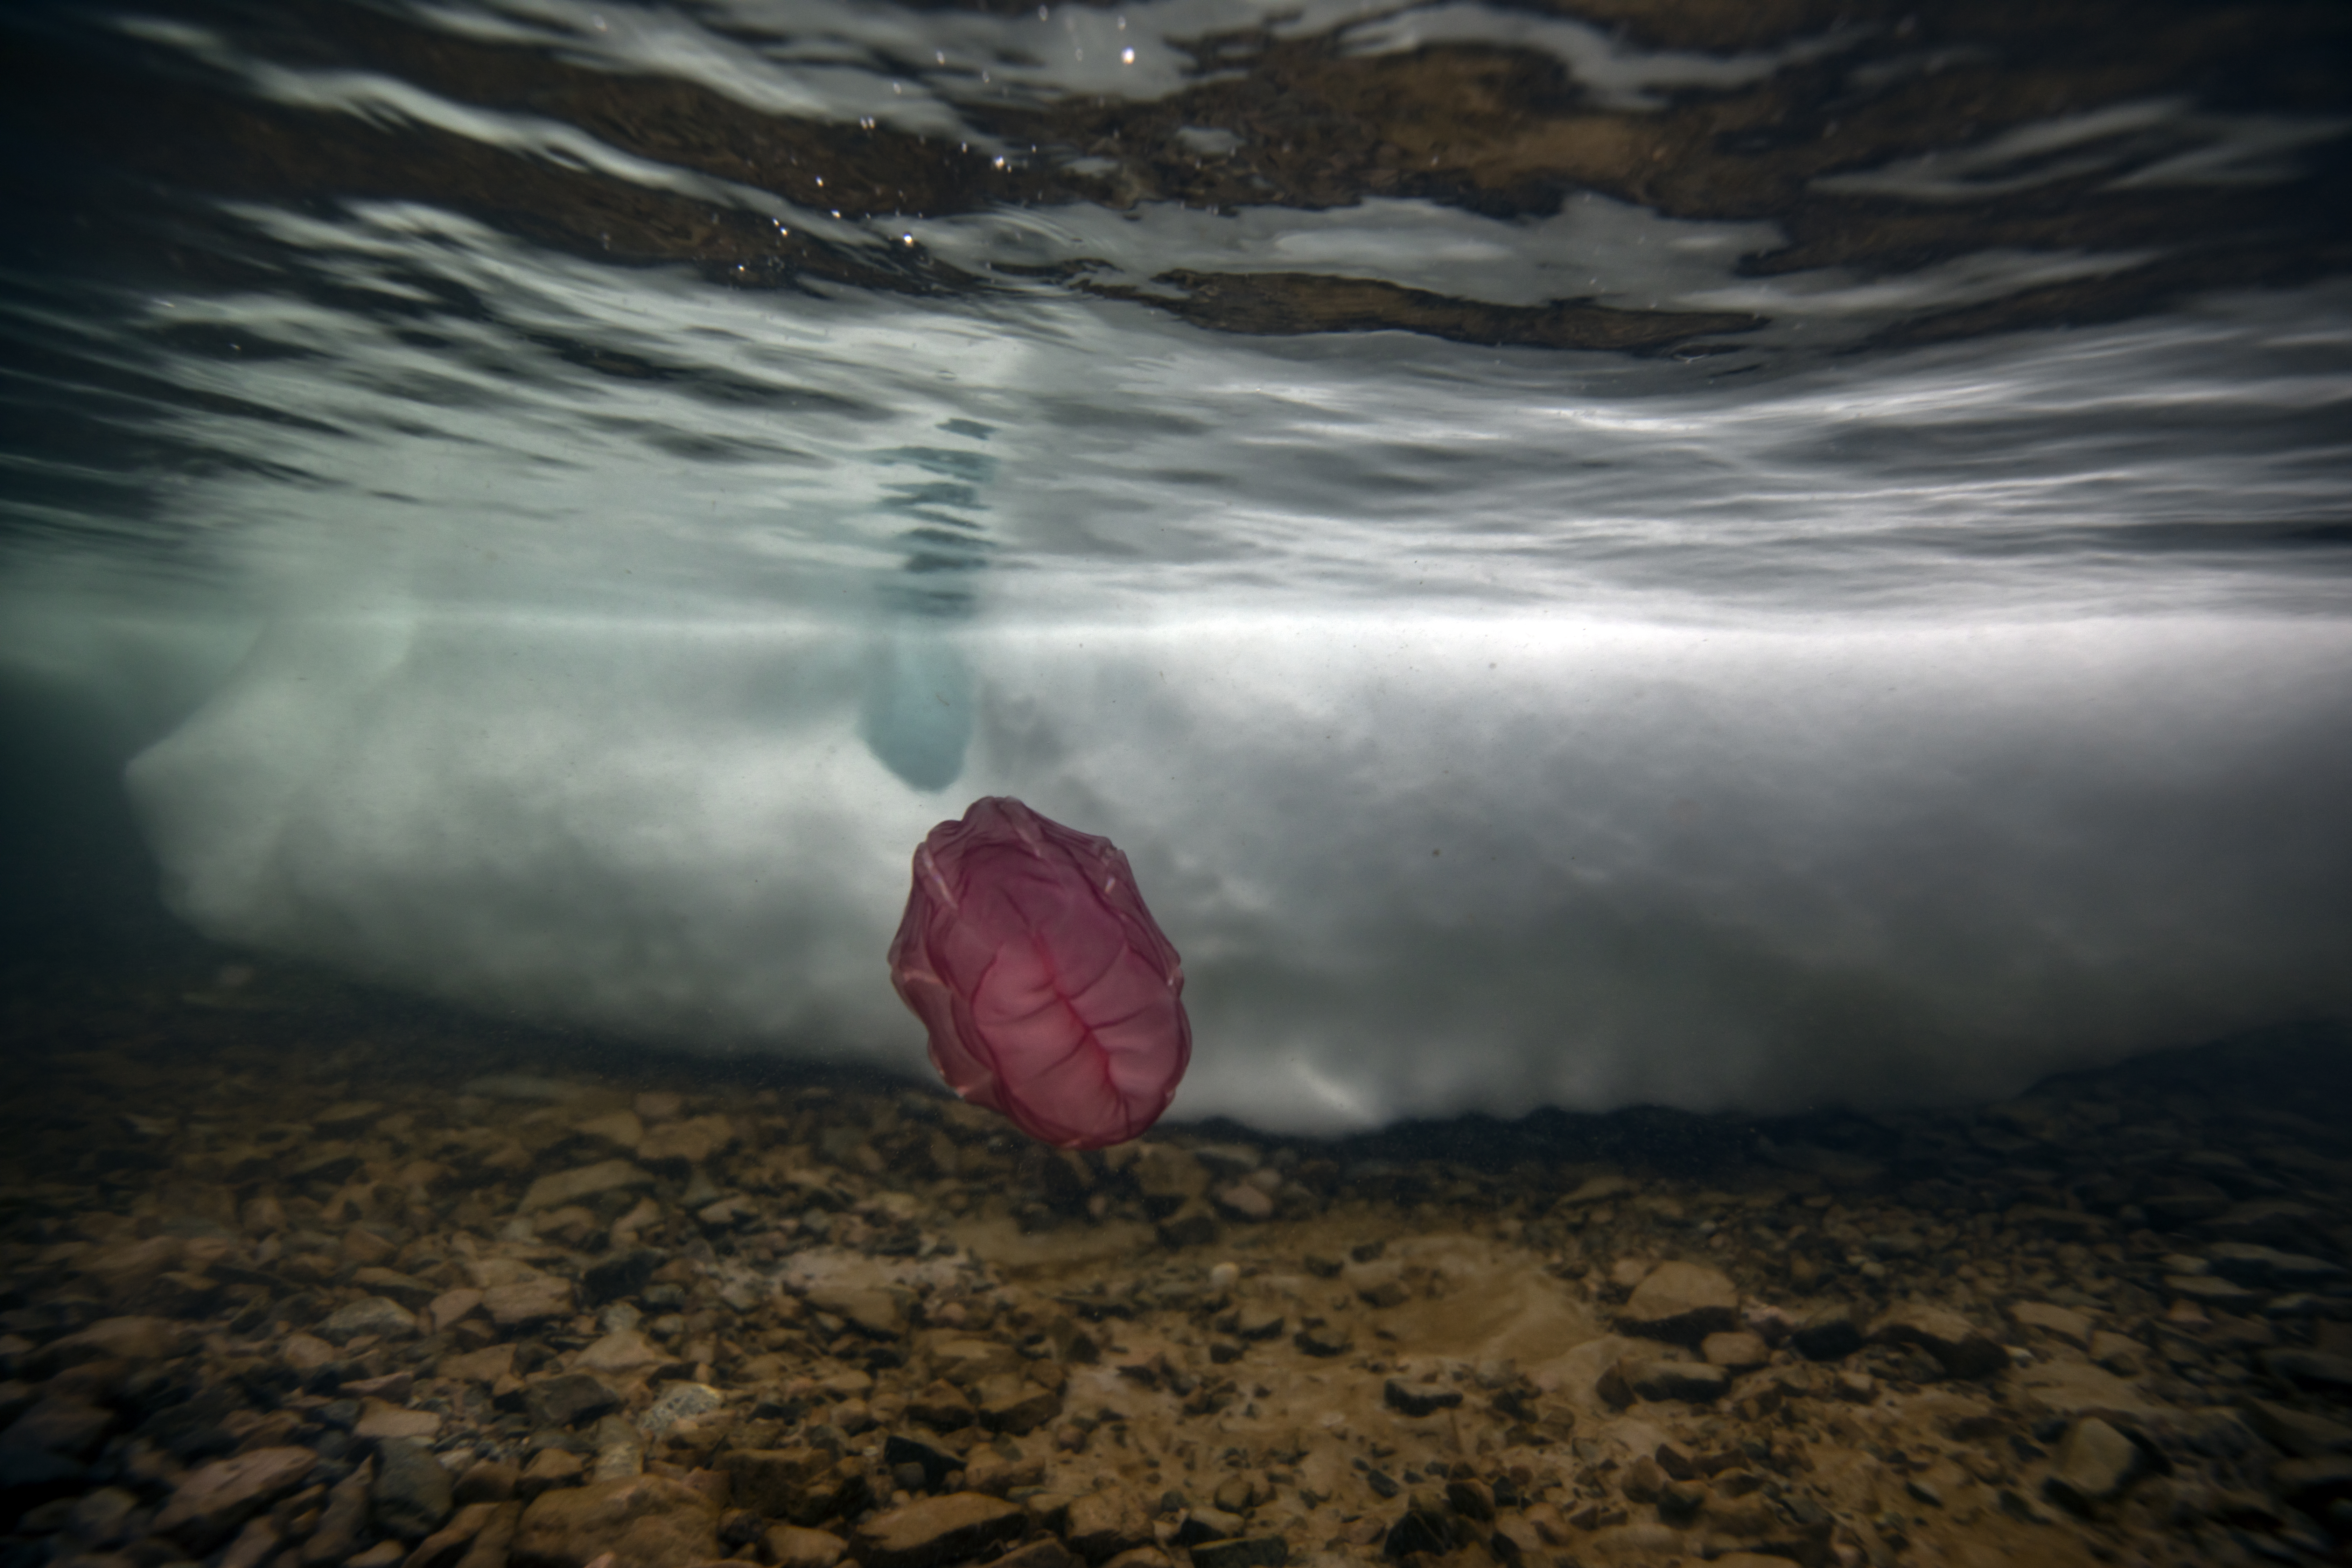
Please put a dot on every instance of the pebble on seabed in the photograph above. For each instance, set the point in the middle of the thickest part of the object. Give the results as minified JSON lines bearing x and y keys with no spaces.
{"x":274,"y":1305}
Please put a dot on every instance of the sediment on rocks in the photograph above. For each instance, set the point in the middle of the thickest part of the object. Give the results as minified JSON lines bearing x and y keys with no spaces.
{"x":276,"y":1295}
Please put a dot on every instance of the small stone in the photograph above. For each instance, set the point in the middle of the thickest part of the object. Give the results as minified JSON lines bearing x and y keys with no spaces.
{"x":568,"y":1399}
{"x":2314,"y":1484}
{"x":1957,"y":1344}
{"x":877,"y":1312}
{"x":941,"y":1406}
{"x":936,"y":1531}
{"x":2299,"y":1432}
{"x":641,"y":1521}
{"x":1323,"y":1339}
{"x":1681,"y":1301}
{"x":619,"y":1275}
{"x":680,"y":1144}
{"x":619,"y":1353}
{"x":1736,"y":1350}
{"x":1427,"y":1525}
{"x":932,"y":1465}
{"x":2117,"y":1354}
{"x":1679,"y":1502}
{"x":120,"y":1339}
{"x":790,"y":1546}
{"x":1242,"y":1551}
{"x":1832,"y":1334}
{"x":379,"y":1420}
{"x":339,"y":1522}
{"x":1019,"y":1410}
{"x":2212,"y":1292}
{"x":1192,"y":1225}
{"x":795,"y":1484}
{"x":209,"y":1502}
{"x":561,"y":1187}
{"x":1102,"y":1524}
{"x":549,"y":1469}
{"x":1245,"y":1201}
{"x":2063,"y":1321}
{"x":486,"y":1481}
{"x":450,"y":1308}
{"x":101,"y":1518}
{"x":490,"y":1547}
{"x":2250,"y":1264}
{"x":1697,"y":1382}
{"x":1257,"y":1322}
{"x":411,"y":1494}
{"x":526,"y":1302}
{"x":1856,"y":1386}
{"x":445,"y":1546}
{"x":2318,"y":1371}
{"x":1047,"y":1552}
{"x":370,"y":1315}
{"x":1418,"y":1398}
{"x":621,"y":1129}
{"x":678,"y":1402}
{"x":1471,"y":1498}
{"x":2094,"y":1463}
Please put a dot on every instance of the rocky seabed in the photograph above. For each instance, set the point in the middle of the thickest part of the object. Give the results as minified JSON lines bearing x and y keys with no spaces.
{"x":288,"y":1305}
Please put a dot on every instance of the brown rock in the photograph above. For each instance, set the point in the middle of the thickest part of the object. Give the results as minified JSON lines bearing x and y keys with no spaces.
{"x":790,"y":1546}
{"x":561,"y":1187}
{"x":2093,"y":1464}
{"x":1660,"y":1378}
{"x":339,"y":1524}
{"x":485,"y":1365}
{"x":690,"y":1143}
{"x":528,"y":1302}
{"x":940,"y":1407}
{"x":1736,"y":1351}
{"x":210,"y":1501}
{"x":549,"y":1469}
{"x":1958,"y":1346}
{"x":1019,"y":1408}
{"x":798,"y":1485}
{"x":644,"y":1521}
{"x":1245,"y":1200}
{"x":1105,"y":1524}
{"x":491,"y":1547}
{"x":2298,"y":1432}
{"x":1047,"y":1552}
{"x":123,"y":1272}
{"x":120,"y":1339}
{"x":487,"y":1480}
{"x":61,"y":1424}
{"x":1682,"y":1302}
{"x":878,"y":1312}
{"x":379,"y":1421}
{"x":2314,"y":1484}
{"x":2063,"y":1321}
{"x":935,"y":1530}
{"x":451,"y":1307}
{"x":620,"y":1352}
{"x":968,"y":1362}
{"x":1168,"y":1178}
{"x":445,"y":1546}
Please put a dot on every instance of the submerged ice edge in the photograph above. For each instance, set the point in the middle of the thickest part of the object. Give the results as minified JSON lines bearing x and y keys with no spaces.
{"x":1415,"y":866}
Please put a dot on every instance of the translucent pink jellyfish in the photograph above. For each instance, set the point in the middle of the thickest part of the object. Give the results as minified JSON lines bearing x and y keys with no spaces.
{"x":1050,"y":995}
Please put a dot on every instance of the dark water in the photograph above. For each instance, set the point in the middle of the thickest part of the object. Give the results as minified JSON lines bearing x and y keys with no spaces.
{"x":1590,"y":555}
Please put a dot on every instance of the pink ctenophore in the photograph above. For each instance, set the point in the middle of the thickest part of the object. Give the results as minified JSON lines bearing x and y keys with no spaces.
{"x":1050,"y":994}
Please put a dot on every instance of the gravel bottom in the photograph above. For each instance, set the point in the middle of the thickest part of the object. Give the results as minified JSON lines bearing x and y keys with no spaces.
{"x":296,"y":1276}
